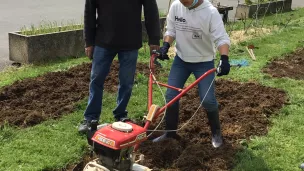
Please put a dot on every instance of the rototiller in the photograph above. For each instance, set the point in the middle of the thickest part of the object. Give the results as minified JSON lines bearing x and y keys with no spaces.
{"x":115,"y":144}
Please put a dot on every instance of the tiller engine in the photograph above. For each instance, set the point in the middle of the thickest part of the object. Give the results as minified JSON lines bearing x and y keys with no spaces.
{"x":114,"y":145}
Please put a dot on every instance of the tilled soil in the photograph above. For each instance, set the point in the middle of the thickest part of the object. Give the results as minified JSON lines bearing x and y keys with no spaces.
{"x":291,"y":66}
{"x":32,"y":101}
{"x":244,"y":111}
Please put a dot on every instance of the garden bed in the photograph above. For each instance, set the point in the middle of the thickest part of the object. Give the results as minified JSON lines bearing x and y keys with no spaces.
{"x":244,"y":111}
{"x":291,"y":66}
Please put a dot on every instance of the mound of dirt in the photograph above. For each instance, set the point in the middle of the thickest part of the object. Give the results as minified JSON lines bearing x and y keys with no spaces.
{"x":291,"y":66}
{"x":32,"y":101}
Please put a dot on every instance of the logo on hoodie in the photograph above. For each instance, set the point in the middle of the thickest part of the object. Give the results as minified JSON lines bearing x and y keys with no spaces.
{"x":197,"y":35}
{"x":180,"y":19}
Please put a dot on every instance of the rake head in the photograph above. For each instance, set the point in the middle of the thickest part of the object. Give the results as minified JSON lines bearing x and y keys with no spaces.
{"x":239,"y":62}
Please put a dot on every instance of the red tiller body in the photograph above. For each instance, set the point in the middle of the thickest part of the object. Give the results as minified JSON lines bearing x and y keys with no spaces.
{"x":116,"y":140}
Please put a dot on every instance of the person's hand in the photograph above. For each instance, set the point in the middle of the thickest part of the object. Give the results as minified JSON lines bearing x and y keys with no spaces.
{"x":223,"y":66}
{"x":89,"y":51}
{"x":163,"y":51}
{"x":153,"y":47}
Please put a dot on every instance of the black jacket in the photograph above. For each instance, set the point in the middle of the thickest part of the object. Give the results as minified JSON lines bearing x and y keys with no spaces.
{"x":118,"y":23}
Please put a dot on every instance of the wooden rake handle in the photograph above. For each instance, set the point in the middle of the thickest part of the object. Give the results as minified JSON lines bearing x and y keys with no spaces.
{"x":250,"y":51}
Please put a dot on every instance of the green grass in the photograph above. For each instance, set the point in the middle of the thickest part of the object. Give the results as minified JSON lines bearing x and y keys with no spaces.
{"x":56,"y":143}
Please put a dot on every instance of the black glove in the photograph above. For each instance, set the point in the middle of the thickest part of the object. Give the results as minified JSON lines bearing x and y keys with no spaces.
{"x":163,"y":51}
{"x":223,"y":66}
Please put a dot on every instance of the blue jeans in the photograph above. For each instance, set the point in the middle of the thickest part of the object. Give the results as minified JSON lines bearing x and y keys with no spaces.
{"x":102,"y":60}
{"x":179,"y":73}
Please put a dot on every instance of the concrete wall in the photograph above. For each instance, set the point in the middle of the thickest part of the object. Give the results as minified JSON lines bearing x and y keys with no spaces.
{"x":30,"y":49}
{"x":250,"y":11}
{"x":18,"y":47}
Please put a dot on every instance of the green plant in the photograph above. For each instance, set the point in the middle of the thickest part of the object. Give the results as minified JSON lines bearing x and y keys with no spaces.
{"x":248,"y":2}
{"x":141,"y":78}
{"x":45,"y":27}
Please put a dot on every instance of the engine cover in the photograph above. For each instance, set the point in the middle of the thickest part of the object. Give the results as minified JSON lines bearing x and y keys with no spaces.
{"x":119,"y":135}
{"x":114,"y":143}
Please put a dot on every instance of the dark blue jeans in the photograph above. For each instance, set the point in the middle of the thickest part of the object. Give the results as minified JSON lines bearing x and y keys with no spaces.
{"x":179,"y":73}
{"x":102,"y":60}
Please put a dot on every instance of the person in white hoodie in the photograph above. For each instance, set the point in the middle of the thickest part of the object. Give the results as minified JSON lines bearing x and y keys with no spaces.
{"x":198,"y":30}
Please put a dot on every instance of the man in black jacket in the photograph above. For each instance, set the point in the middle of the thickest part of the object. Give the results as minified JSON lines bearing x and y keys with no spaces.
{"x":116,"y":31}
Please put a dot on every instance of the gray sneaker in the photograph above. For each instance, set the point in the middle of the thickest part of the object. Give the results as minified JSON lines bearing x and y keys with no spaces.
{"x":302,"y":166}
{"x":84,"y":126}
{"x":217,"y":140}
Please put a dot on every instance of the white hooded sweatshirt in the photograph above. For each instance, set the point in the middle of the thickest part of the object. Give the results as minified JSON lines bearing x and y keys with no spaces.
{"x":198,"y":32}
